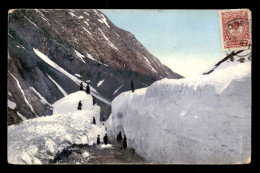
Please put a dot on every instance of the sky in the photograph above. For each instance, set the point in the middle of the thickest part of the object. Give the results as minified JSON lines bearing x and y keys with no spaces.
{"x":187,"y":41}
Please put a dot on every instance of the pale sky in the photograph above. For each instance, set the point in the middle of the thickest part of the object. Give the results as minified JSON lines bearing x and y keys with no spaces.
{"x":187,"y":41}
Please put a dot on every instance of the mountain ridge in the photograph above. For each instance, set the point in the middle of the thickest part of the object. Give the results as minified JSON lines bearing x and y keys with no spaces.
{"x":87,"y":45}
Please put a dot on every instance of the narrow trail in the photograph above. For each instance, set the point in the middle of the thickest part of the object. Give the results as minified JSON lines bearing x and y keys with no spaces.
{"x":98,"y":155}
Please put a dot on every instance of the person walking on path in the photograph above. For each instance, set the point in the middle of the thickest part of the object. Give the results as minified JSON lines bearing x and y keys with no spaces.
{"x":94,"y":120}
{"x":88,"y":89}
{"x":81,"y":86}
{"x":98,"y":140}
{"x":132,"y":86}
{"x":105,"y":138}
{"x":79,"y":105}
{"x":124,"y":142}
{"x":119,"y":137}
{"x":94,"y":100}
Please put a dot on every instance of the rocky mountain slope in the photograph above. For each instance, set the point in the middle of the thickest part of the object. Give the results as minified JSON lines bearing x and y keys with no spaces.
{"x":77,"y":45}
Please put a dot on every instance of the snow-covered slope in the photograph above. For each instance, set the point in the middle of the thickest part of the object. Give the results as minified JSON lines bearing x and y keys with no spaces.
{"x":231,"y":60}
{"x":200,"y":120}
{"x":38,"y":140}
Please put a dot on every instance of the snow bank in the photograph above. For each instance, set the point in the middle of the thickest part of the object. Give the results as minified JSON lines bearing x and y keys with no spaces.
{"x":100,"y":82}
{"x":11,"y":104}
{"x":200,"y":120}
{"x":106,"y":146}
{"x":37,"y":141}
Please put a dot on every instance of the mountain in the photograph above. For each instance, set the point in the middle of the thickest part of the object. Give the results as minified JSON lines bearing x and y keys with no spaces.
{"x":230,"y":60}
{"x":51,"y":51}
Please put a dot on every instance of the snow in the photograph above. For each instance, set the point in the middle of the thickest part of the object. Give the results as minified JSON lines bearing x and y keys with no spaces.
{"x":86,"y":23}
{"x":226,"y":64}
{"x":109,"y":42}
{"x":78,"y":75}
{"x":90,"y":56}
{"x":80,"y":17}
{"x":43,"y":100}
{"x":73,"y":78}
{"x":85,"y":154}
{"x":25,"y":99}
{"x":11,"y":104}
{"x":10,"y":35}
{"x":106,"y":146}
{"x":21,"y":116}
{"x":72,"y":14}
{"x":20,"y":46}
{"x":86,"y":13}
{"x":102,"y":18}
{"x":9,"y":93}
{"x":149,"y":63}
{"x":117,"y":89}
{"x":38,"y":140}
{"x":100,"y":83}
{"x":43,"y":17}
{"x":80,"y":56}
{"x":59,"y":87}
{"x":87,"y":31}
{"x":205,"y":119}
{"x":32,"y":23}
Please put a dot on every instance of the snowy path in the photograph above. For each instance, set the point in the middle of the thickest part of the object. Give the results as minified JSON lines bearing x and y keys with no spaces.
{"x":98,"y":155}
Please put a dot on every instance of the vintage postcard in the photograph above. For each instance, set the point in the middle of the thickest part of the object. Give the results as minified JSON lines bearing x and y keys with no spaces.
{"x":111,"y":86}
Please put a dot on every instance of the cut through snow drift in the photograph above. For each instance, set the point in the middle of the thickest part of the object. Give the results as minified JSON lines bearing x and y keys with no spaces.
{"x":200,"y":120}
{"x":37,"y":141}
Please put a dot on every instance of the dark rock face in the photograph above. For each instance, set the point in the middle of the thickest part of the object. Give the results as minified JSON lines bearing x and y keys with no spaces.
{"x":83,"y":42}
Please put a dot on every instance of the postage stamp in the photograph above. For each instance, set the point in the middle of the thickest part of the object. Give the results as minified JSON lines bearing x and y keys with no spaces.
{"x":235,"y":29}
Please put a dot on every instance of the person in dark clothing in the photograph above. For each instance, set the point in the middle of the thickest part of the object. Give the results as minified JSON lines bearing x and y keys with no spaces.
{"x":94,"y":100}
{"x":98,"y":140}
{"x":119,"y":137}
{"x":132,"y":86}
{"x":79,"y":105}
{"x":81,"y":86}
{"x":124,"y":142}
{"x":94,"y":120}
{"x":105,"y":138}
{"x":88,"y":89}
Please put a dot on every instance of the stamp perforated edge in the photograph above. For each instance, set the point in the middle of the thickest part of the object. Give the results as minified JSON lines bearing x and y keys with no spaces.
{"x":221,"y":30}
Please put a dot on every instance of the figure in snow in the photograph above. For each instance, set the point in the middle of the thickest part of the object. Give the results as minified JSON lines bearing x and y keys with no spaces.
{"x":132,"y":86}
{"x":98,"y":140}
{"x":119,"y":137}
{"x":94,"y":100}
{"x":94,"y":120}
{"x":105,"y":138}
{"x":88,"y":89}
{"x":81,"y":86}
{"x":124,"y":142}
{"x":79,"y":105}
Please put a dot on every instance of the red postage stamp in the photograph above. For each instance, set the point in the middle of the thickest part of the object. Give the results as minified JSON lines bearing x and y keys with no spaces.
{"x":235,"y":29}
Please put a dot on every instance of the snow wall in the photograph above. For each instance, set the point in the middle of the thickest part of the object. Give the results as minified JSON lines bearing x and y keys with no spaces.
{"x":38,"y":140}
{"x":200,"y":120}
